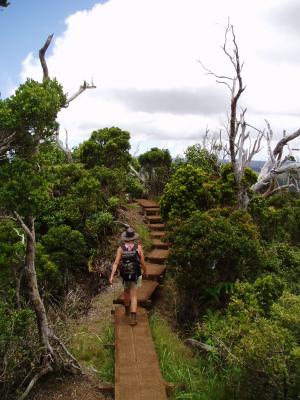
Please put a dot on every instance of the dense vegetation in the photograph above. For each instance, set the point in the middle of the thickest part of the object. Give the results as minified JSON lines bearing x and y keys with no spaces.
{"x":237,"y":277}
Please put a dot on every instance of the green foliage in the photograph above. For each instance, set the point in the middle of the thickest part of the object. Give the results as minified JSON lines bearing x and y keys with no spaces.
{"x":277,"y":217}
{"x":188,"y":190}
{"x":284,"y":260}
{"x":11,"y":251}
{"x":266,"y":369}
{"x":48,"y":274}
{"x":31,"y":114}
{"x":107,"y":147}
{"x":65,"y":247}
{"x":155,"y":165}
{"x":201,"y":157}
{"x":259,"y":343}
{"x":19,"y":346}
{"x":23,"y":187}
{"x":257,"y":297}
{"x":286,"y":312}
{"x":209,"y":252}
{"x":99,"y":224}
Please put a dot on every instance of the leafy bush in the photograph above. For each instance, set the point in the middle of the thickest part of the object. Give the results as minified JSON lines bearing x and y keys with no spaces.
{"x":201,"y":157}
{"x":99,"y":224}
{"x":261,"y":347}
{"x":284,"y":260}
{"x":188,"y":190}
{"x":277,"y":217}
{"x":66,"y":247}
{"x":209,"y":253}
{"x":19,"y":347}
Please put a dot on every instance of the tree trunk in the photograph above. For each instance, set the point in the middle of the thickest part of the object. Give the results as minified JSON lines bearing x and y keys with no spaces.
{"x":34,"y":294}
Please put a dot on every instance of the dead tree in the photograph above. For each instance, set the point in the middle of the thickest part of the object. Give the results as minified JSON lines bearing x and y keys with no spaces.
{"x":241,"y":150}
{"x":267,"y":183}
{"x":81,"y":89}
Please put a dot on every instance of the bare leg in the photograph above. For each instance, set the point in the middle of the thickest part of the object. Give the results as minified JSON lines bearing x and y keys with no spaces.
{"x":127,"y":301}
{"x":133,"y":298}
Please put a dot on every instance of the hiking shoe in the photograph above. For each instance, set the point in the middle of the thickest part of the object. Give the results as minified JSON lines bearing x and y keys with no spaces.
{"x":133,"y":320}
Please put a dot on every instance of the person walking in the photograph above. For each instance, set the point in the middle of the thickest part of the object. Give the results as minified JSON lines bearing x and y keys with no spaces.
{"x":131,"y":261}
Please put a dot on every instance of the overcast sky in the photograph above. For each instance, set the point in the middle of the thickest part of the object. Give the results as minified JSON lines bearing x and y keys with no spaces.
{"x":142,"y":56}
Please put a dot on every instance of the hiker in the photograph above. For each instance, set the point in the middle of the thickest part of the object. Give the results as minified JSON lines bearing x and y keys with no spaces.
{"x":130,"y":260}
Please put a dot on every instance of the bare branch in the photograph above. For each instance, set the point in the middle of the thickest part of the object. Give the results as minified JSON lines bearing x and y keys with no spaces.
{"x":278,"y":189}
{"x":44,"y":371}
{"x":42,"y":53}
{"x":279,"y":147}
{"x":23,"y":225}
{"x":81,"y":89}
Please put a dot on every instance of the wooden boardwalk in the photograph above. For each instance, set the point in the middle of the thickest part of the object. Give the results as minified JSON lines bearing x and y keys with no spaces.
{"x":137,"y":372}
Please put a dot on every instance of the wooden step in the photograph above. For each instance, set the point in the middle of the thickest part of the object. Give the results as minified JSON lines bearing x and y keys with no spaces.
{"x":158,"y":256}
{"x":157,"y":234}
{"x":146,"y":203}
{"x":155,"y":271}
{"x":153,"y":219}
{"x":151,"y":210}
{"x":157,"y":227}
{"x":158,"y":244}
{"x":144,"y":293}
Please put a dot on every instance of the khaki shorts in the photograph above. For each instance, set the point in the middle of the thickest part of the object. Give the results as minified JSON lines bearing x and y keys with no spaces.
{"x":128,"y":285}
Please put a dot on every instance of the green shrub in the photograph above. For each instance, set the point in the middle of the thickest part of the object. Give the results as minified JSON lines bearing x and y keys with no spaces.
{"x":284,"y":260}
{"x":277,"y":217}
{"x":19,"y":347}
{"x":188,"y":190}
{"x":209,"y":253}
{"x":66,"y":247}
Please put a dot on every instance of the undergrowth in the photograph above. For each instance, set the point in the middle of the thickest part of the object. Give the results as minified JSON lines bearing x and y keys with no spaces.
{"x":91,"y":351}
{"x":196,"y":377}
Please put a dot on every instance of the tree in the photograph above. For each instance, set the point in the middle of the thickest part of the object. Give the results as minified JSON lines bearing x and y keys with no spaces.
{"x":155,"y":166}
{"x":30,"y":116}
{"x":108,"y":147}
{"x":240,"y":157}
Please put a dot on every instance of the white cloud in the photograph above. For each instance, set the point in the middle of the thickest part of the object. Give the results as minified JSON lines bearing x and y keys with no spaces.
{"x":131,"y":46}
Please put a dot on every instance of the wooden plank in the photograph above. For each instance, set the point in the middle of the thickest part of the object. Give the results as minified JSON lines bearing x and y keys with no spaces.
{"x":146,"y":203}
{"x":151,"y":210}
{"x":157,"y":227}
{"x":155,"y":270}
{"x":137,"y":373}
{"x":127,"y":377}
{"x":157,"y":234}
{"x":157,"y":256}
{"x":158,"y":244}
{"x":153,"y":219}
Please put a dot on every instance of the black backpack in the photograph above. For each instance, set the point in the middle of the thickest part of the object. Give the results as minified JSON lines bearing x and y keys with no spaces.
{"x":130,"y":268}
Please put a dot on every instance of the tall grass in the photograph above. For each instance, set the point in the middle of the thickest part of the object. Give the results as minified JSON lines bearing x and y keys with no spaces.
{"x":89,"y":348}
{"x":145,"y":237}
{"x":179,"y":365}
